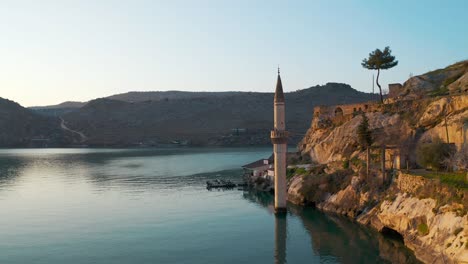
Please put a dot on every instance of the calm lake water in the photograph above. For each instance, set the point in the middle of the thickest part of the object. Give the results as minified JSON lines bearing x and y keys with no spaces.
{"x":151,"y":206}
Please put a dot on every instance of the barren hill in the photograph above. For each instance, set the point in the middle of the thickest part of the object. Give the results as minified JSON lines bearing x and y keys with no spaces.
{"x":21,"y":127}
{"x":452,"y":79}
{"x":205,"y":118}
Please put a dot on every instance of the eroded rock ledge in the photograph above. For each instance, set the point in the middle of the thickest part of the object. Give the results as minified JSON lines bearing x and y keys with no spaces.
{"x":435,"y":228}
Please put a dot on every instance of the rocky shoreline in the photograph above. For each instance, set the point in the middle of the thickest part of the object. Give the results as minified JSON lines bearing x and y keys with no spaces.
{"x":436,"y":233}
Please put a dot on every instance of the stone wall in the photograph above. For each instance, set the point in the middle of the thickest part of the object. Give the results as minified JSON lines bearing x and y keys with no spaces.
{"x":395,"y":90}
{"x":344,"y":110}
{"x":411,"y":183}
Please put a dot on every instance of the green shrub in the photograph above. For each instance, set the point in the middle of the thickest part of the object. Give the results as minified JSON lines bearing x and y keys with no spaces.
{"x":452,"y":79}
{"x":356,"y":162}
{"x":301,"y":171}
{"x":454,"y":179}
{"x":290,"y":173}
{"x":423,"y":229}
{"x":441,"y":91}
{"x":294,"y":171}
{"x":432,"y":155}
{"x":346,"y":164}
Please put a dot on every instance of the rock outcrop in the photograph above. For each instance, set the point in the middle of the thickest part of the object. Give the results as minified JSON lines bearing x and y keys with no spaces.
{"x":436,"y":233}
{"x":438,"y":237}
{"x":396,"y":124}
{"x":427,"y":214}
{"x":452,"y":79}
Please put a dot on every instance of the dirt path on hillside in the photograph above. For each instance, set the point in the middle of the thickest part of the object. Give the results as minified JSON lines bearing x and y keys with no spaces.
{"x":64,"y":127}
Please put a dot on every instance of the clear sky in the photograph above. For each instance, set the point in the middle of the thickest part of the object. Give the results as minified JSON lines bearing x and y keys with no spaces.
{"x":54,"y":51}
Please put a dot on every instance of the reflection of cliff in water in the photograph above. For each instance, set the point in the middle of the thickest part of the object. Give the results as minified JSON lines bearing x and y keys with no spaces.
{"x":346,"y":241}
{"x":349,"y":241}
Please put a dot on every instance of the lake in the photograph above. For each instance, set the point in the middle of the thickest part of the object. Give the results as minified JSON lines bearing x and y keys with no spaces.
{"x":152,"y":206}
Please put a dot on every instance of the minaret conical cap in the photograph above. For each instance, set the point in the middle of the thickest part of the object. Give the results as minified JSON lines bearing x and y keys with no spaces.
{"x":279,"y":95}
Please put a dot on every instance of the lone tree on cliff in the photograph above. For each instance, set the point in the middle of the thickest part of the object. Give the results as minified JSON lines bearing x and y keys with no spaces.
{"x":364,"y":133}
{"x":380,"y":60}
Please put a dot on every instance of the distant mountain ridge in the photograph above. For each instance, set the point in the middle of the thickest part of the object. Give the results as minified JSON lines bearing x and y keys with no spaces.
{"x":200,"y":118}
{"x":172,"y":117}
{"x":165,"y":95}
{"x":21,"y":127}
{"x":67,"y":104}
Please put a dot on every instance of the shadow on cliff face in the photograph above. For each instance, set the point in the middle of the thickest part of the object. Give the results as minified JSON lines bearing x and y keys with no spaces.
{"x":392,"y":234}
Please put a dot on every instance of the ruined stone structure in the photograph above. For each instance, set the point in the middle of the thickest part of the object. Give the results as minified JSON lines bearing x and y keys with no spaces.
{"x":345,"y":110}
{"x":395,"y":90}
{"x":343,"y":113}
{"x":279,"y":140}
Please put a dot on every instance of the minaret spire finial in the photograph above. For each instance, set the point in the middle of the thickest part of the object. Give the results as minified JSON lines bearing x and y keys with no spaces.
{"x":279,"y":96}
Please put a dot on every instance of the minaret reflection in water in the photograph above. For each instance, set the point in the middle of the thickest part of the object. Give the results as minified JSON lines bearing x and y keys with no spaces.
{"x":280,"y":238}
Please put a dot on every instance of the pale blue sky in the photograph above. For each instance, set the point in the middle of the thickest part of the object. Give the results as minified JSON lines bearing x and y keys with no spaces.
{"x":53,"y":51}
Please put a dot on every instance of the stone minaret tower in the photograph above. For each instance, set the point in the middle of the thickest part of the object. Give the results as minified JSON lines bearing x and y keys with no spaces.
{"x":279,"y":140}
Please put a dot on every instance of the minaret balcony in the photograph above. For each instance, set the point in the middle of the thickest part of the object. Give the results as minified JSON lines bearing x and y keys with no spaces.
{"x":278,"y":137}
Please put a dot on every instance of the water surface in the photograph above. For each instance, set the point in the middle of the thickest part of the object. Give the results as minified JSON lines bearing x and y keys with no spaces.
{"x":151,"y":206}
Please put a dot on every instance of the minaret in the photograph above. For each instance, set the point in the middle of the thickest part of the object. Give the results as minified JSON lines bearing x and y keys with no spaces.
{"x":279,"y":140}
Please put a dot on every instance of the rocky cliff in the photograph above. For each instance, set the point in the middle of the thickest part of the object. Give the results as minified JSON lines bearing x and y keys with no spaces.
{"x":403,"y":123}
{"x":450,"y":80}
{"x":428,"y":214}
{"x":430,"y":218}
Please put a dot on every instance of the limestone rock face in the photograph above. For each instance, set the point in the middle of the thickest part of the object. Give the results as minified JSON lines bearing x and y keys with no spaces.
{"x":434,"y":118}
{"x":437,"y":234}
{"x":435,"y":238}
{"x":295,"y":193}
{"x":348,"y":201}
{"x":326,"y":142}
{"x":330,"y":144}
{"x":454,"y":78}
{"x":460,"y":85}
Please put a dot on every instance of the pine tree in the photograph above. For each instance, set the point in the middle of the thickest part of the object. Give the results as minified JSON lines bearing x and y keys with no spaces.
{"x":380,"y":60}
{"x":364,"y":133}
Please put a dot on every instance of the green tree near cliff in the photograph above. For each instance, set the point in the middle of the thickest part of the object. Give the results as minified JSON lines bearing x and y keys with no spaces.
{"x":380,"y":60}
{"x":432,"y":155}
{"x":364,"y":133}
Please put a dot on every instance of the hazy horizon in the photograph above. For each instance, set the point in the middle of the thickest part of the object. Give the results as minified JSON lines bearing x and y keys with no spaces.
{"x":56,"y":51}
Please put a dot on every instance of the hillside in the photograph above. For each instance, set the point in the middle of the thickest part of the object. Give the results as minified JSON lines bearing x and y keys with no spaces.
{"x":20,"y":127}
{"x":57,"y":110}
{"x":392,"y":189}
{"x":452,"y":79}
{"x":166,"y":95}
{"x":226,"y":118}
{"x":67,"y":104}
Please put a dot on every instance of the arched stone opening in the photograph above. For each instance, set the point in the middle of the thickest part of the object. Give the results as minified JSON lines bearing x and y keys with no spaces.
{"x":392,"y":234}
{"x":338,"y":111}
